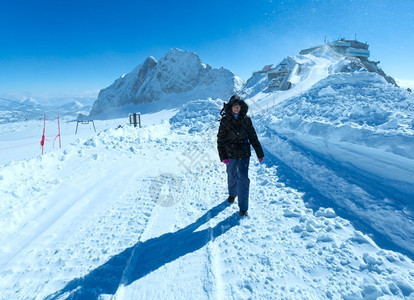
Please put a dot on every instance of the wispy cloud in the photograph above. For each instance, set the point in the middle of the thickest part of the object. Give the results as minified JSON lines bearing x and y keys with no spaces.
{"x":404,"y":83}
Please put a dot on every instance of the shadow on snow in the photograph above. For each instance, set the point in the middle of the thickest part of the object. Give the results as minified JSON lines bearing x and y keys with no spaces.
{"x":145,"y":257}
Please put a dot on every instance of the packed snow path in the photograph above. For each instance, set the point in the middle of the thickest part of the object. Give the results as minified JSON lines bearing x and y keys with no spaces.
{"x":141,"y":214}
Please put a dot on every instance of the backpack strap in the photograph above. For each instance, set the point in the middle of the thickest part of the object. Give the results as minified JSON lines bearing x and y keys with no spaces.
{"x":223,"y":110}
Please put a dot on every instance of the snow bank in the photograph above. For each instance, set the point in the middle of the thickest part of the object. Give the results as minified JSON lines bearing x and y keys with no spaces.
{"x":351,"y":137}
{"x":198,"y":115}
{"x":359,"y":108}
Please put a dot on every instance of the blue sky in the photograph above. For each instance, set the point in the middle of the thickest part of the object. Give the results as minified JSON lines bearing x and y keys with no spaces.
{"x":62,"y":48}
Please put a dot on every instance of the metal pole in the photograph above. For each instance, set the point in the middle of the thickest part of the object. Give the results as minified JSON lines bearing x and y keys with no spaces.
{"x":60,"y":142}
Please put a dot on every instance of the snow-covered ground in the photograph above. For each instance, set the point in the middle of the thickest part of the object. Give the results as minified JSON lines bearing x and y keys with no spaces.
{"x":351,"y":137}
{"x":140,"y":213}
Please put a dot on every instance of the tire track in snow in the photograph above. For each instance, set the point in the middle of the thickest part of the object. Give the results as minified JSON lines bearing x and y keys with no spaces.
{"x":215,"y":269}
{"x":201,"y":181}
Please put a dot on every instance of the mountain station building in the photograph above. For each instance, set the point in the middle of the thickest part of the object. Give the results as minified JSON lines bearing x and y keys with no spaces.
{"x":278,"y":76}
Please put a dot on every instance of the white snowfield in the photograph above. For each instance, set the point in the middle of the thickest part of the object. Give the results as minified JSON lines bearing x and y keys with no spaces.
{"x":141,"y":213}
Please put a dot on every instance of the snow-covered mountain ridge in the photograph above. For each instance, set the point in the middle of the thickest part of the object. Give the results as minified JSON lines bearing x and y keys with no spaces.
{"x":31,"y":109}
{"x":179,"y":74}
{"x":320,"y":62}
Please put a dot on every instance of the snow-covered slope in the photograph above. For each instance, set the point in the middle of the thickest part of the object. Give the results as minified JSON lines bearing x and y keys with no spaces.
{"x":351,"y":137}
{"x":141,"y":214}
{"x":309,"y":69}
{"x":179,"y":76}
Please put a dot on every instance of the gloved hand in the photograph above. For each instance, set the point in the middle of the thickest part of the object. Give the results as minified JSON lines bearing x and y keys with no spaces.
{"x":226,"y":161}
{"x":260,"y":159}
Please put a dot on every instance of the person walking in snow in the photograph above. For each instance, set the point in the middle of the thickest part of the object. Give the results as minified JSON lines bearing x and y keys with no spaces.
{"x":236,"y":134}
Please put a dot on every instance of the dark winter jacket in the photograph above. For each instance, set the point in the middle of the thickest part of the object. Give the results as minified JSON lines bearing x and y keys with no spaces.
{"x":236,"y":134}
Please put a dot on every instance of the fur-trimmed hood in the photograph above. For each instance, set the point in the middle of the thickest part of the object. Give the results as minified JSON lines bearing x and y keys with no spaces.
{"x":235,"y":99}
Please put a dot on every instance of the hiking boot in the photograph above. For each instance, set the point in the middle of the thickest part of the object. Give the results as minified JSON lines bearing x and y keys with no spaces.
{"x":243,"y":213}
{"x":230,"y":199}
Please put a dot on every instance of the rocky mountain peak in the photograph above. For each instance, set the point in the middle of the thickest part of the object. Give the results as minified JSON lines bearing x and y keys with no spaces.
{"x":179,"y":72}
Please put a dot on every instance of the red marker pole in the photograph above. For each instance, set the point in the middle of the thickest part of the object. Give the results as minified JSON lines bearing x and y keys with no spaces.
{"x":42,"y":142}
